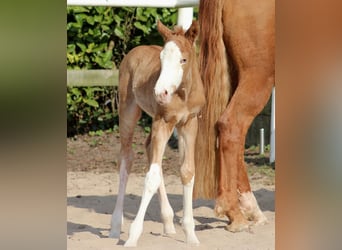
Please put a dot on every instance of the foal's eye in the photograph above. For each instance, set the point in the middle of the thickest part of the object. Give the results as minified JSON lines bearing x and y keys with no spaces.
{"x":182,"y":61}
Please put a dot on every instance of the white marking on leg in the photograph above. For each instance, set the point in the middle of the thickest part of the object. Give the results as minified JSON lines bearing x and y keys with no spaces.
{"x":117,"y":217}
{"x":188,"y":219}
{"x":250,"y":209}
{"x":166,"y":210}
{"x":152,"y":183}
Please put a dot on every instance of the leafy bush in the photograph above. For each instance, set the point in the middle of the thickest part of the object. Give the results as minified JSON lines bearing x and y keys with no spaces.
{"x":98,"y":38}
{"x":90,"y":109}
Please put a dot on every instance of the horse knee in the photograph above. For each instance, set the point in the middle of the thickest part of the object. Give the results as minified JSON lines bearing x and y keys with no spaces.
{"x":186,"y":174}
{"x":153,"y":178}
{"x":229,"y":131}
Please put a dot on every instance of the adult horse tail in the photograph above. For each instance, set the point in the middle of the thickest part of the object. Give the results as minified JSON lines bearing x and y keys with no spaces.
{"x":216,"y":80}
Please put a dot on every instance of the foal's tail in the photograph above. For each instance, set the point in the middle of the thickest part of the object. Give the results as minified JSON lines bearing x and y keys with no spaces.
{"x":215,"y":76}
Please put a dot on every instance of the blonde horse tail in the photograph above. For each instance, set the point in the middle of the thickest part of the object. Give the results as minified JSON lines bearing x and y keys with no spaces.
{"x":214,"y":71}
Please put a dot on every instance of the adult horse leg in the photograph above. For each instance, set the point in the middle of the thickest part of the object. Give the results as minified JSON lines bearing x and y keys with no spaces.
{"x":129,"y":114}
{"x":166,"y":212}
{"x":187,"y":138}
{"x":248,"y":100}
{"x":248,"y":204}
{"x":161,"y":132}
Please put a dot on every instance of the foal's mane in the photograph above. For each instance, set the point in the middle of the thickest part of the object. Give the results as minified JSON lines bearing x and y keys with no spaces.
{"x":190,"y":34}
{"x":178,"y":31}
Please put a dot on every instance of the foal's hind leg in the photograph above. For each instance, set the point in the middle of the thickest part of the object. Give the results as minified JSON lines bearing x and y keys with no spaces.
{"x":166,"y":212}
{"x":187,"y":138}
{"x":161,"y":132}
{"x":128,"y":117}
{"x":248,"y":100}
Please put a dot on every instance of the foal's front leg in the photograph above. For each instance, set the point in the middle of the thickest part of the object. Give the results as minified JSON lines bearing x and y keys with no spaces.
{"x":187,"y":140}
{"x":161,"y":131}
{"x":166,"y":210}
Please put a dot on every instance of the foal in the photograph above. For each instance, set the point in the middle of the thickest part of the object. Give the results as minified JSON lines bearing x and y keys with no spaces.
{"x":166,"y":84}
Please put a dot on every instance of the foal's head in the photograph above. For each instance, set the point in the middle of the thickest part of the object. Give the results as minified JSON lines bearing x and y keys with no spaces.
{"x":176,"y":59}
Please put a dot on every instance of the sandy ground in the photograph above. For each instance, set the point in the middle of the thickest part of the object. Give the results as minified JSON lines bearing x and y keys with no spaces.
{"x":91,"y":196}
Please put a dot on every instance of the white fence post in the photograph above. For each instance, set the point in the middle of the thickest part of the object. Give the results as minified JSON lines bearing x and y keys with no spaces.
{"x":262,"y":142}
{"x":272,"y":139}
{"x":185,"y":17}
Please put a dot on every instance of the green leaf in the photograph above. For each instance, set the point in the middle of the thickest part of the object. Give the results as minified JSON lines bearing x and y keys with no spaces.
{"x":141,"y":27}
{"x":90,"y":47}
{"x":75,"y":91}
{"x":141,"y":15}
{"x":98,"y":18}
{"x":82,"y":46}
{"x":100,"y":9}
{"x":92,"y":103}
{"x":90,"y":20}
{"x":117,"y":19}
{"x":79,"y":9}
{"x":119,"y":32}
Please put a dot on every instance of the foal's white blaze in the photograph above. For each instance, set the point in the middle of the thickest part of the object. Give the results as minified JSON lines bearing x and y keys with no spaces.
{"x":171,"y":72}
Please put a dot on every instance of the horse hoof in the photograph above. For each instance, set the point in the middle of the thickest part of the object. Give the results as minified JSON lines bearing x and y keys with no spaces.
{"x":130,"y":243}
{"x":114,"y":234}
{"x":169,"y":229}
{"x":235,"y":227}
{"x":192,"y":240}
{"x":260,"y":220}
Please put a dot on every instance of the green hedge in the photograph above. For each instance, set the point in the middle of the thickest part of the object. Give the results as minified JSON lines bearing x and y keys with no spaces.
{"x":98,"y":38}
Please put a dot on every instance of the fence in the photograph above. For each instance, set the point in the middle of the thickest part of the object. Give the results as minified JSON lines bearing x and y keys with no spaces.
{"x":110,"y":77}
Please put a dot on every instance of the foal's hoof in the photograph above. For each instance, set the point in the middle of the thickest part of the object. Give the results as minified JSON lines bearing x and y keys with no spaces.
{"x":114,"y":234}
{"x":193,"y":241}
{"x":169,"y":229}
{"x":235,"y":227}
{"x":130,"y":243}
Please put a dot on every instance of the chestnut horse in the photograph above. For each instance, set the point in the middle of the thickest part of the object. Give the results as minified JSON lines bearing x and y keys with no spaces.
{"x":166,"y":84}
{"x":237,"y":69}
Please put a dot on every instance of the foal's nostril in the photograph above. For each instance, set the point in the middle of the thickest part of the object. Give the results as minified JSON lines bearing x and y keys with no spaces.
{"x":165,"y":92}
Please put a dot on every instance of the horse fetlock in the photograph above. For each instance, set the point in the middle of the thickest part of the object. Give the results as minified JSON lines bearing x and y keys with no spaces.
{"x":114,"y":232}
{"x":192,"y":239}
{"x":169,"y":228}
{"x":250,"y":209}
{"x":167,"y":218}
{"x":188,"y":226}
{"x":239,"y":226}
{"x":220,"y":208}
{"x":116,"y":222}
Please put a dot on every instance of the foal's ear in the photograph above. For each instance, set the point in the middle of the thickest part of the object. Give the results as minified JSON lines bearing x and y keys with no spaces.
{"x":192,"y":32}
{"x":164,"y":31}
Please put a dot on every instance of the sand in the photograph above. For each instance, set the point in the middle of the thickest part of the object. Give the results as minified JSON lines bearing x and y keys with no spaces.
{"x":91,"y":198}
